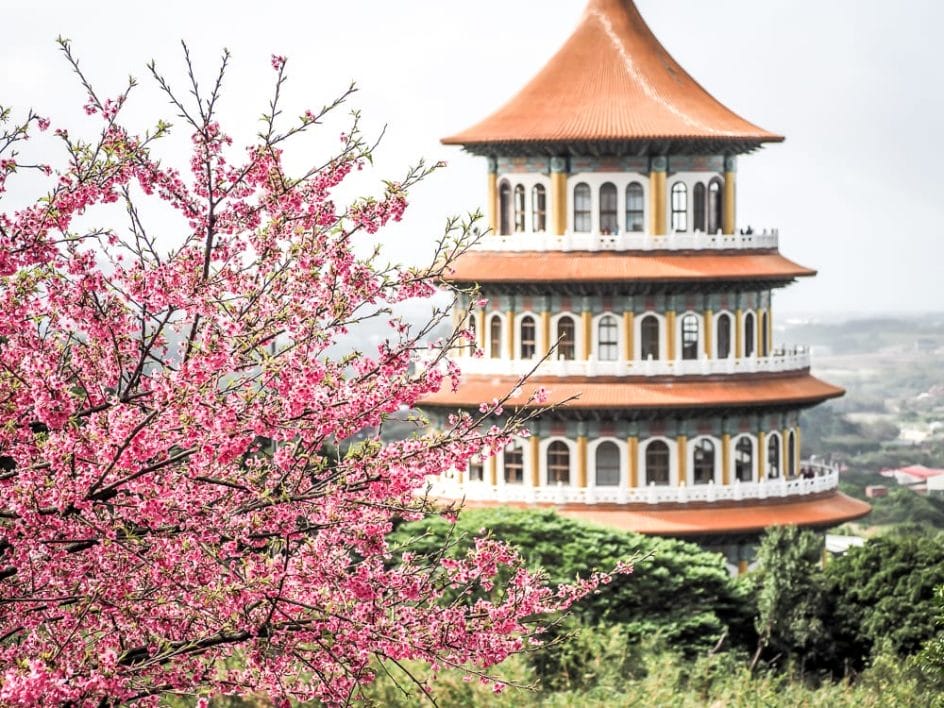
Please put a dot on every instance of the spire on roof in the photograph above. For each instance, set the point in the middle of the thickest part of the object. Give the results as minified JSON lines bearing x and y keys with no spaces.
{"x":613,"y":83}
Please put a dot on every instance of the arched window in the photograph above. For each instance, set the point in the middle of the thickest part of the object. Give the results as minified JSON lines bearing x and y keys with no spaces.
{"x":583,"y":205}
{"x":657,"y":463}
{"x":635,"y":207}
{"x":607,"y":464}
{"x":679,"y":207}
{"x":519,"y":208}
{"x":558,"y":463}
{"x":703,"y":461}
{"x":698,"y":207}
{"x":764,"y":344}
{"x":528,"y":334}
{"x":495,"y":332}
{"x":514,"y":463}
{"x":690,"y":337}
{"x":567,"y":338}
{"x":607,"y":339}
{"x":649,"y":337}
{"x":773,"y":456}
{"x":791,"y":454}
{"x":504,"y":208}
{"x":538,"y":208}
{"x":609,"y":213}
{"x":714,"y":206}
{"x":749,"y":334}
{"x":744,"y":460}
{"x":476,"y":470}
{"x":724,"y":336}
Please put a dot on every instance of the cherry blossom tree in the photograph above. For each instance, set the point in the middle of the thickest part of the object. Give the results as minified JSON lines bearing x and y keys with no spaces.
{"x":172,"y":516}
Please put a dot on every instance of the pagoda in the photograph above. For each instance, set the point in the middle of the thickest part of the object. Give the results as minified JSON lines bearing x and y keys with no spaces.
{"x":614,"y":247}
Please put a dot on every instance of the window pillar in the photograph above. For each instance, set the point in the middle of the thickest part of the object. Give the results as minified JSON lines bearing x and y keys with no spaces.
{"x":559,"y":195}
{"x":535,"y":461}
{"x":657,"y":201}
{"x":784,"y":457}
{"x":587,"y":322}
{"x":493,"y":470}
{"x":670,"y":335}
{"x":761,"y":456}
{"x":511,"y":334}
{"x":761,"y":332}
{"x":546,"y":330}
{"x":628,"y":336}
{"x":770,"y":330}
{"x":727,"y":215}
{"x":682,"y":458}
{"x":709,"y":321}
{"x":725,"y":459}
{"x":460,"y":476}
{"x":798,"y":444}
{"x":493,"y":194}
{"x":480,"y":328}
{"x":632,"y":445}
{"x":582,"y":461}
{"x":738,"y":334}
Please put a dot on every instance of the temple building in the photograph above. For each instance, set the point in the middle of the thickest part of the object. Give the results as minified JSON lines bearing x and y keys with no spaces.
{"x":612,"y":204}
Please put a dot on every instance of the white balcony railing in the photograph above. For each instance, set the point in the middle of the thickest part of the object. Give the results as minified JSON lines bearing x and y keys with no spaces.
{"x":780,"y":361}
{"x":826,"y":479}
{"x":632,"y":241}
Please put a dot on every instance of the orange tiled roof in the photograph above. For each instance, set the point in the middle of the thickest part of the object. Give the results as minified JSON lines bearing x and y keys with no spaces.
{"x":609,"y":392}
{"x":612,"y":80}
{"x":611,"y":266}
{"x":743,"y":517}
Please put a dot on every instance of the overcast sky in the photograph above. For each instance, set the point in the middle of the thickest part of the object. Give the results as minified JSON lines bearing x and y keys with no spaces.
{"x":853,"y":84}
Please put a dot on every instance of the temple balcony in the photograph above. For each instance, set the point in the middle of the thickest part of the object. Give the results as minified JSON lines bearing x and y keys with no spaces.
{"x":780,"y":361}
{"x":825,"y":478}
{"x":631,"y":241}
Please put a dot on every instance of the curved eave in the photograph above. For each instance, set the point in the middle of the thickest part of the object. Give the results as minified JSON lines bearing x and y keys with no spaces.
{"x":823,"y":511}
{"x":612,"y":82}
{"x":619,"y":147}
{"x":607,"y":393}
{"x":487,"y":267}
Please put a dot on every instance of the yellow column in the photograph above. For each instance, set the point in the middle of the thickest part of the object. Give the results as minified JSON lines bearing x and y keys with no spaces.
{"x":546,"y":330}
{"x":492,"y":210}
{"x":725,"y":459}
{"x":670,"y":334}
{"x":581,"y":461}
{"x":761,"y":333}
{"x":784,"y":458}
{"x":535,"y":461}
{"x":492,"y":470}
{"x":558,"y":195}
{"x":798,"y":444}
{"x":761,"y":456}
{"x":738,"y":335}
{"x":460,"y":476}
{"x":657,"y":195}
{"x":632,"y":445}
{"x":682,"y":460}
{"x":587,"y":326}
{"x":628,"y":339}
{"x":770,"y":329}
{"x":511,"y":333}
{"x":728,"y":211}
{"x":709,"y":319}
{"x":742,"y":567}
{"x":480,"y":328}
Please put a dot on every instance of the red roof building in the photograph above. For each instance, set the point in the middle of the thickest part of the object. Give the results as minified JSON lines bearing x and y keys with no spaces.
{"x":616,"y":269}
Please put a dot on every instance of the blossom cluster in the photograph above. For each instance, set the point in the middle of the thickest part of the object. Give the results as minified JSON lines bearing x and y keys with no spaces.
{"x":175,"y":514}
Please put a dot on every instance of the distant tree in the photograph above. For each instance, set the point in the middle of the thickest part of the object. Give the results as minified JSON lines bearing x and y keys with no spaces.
{"x":883,"y":593}
{"x":790,"y":605}
{"x":931,"y":658}
{"x":169,"y":521}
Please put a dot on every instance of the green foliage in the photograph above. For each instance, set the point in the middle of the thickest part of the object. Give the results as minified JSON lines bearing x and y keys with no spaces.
{"x":904,"y":506}
{"x":931,"y":659}
{"x":883,"y":594}
{"x":678,"y":593}
{"x":790,"y":603}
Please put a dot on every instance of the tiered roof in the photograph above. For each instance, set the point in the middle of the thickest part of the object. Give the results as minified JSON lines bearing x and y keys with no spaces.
{"x":485,"y":267}
{"x":612,"y":88}
{"x":602,"y":392}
